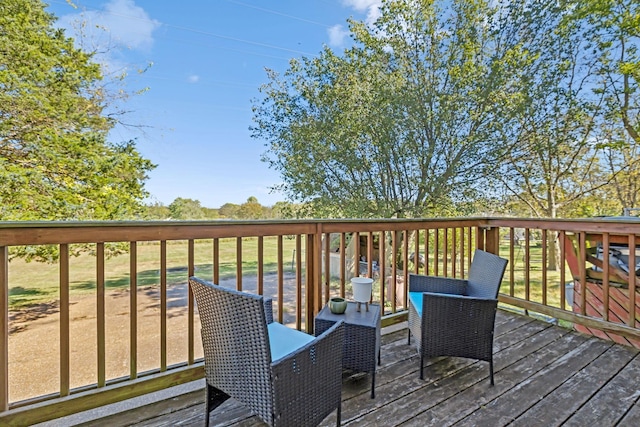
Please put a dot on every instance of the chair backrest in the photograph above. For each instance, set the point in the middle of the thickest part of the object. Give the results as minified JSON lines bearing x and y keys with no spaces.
{"x":236,"y":344}
{"x":485,"y":275}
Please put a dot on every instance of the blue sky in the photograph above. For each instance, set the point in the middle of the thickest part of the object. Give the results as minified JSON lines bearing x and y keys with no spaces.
{"x":208,"y":59}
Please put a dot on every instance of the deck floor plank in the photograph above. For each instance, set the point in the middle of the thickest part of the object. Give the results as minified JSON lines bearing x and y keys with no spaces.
{"x":546,"y":371}
{"x":556,"y":407}
{"x":513,"y":365}
{"x":618,"y":396}
{"x":545,"y":375}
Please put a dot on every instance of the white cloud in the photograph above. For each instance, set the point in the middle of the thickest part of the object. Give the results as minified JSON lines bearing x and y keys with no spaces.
{"x":337,"y":35}
{"x":124,"y":23}
{"x":128,"y":24}
{"x":371,"y":7}
{"x":193,"y":78}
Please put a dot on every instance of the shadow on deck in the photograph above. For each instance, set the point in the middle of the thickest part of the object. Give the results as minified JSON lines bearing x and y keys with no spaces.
{"x":545,"y":376}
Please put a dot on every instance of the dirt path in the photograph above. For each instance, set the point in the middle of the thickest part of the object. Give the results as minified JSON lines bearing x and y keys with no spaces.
{"x":34,"y":366}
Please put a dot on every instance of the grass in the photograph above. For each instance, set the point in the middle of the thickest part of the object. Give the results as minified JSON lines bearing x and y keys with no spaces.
{"x":34,"y":283}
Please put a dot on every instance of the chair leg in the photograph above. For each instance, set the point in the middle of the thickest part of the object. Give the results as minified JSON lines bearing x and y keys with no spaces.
{"x":214,"y":398}
{"x":491,"y":371}
{"x":421,"y":367}
{"x":339,"y":414}
{"x":408,"y":336}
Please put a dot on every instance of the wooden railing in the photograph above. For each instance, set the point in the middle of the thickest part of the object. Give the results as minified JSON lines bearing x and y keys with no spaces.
{"x":299,"y":264}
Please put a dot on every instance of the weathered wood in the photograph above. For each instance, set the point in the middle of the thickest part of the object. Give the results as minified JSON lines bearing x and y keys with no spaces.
{"x":111,"y":394}
{"x":545,"y":375}
{"x":459,"y":397}
{"x":525,"y":392}
{"x":561,"y":403}
{"x":617,"y":396}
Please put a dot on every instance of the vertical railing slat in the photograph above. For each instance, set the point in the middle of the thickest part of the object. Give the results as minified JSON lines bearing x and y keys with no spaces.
{"x":4,"y":328}
{"x":327,"y":265}
{"x":470,"y":247}
{"x":436,"y":251}
{"x":280,"y":279}
{"x":299,"y":281}
{"x":454,"y":255}
{"x":260,"y":265}
{"x":544,"y":266}
{"x":216,"y":261}
{"x":427,"y":232}
{"x":633,"y":281}
{"x":133,"y":310}
{"x":370,"y":256}
{"x":582,"y":250}
{"x":191,"y":304}
{"x":163,"y":305}
{"x":343,"y":262}
{"x":563,"y":274}
{"x":512,"y":259}
{"x":101,"y":315}
{"x":462,"y":276}
{"x":445,"y":253}
{"x":527,"y":264}
{"x":605,"y":275}
{"x":394,"y":270}
{"x":382,"y":263}
{"x":416,"y":252}
{"x":239,"y":263}
{"x":356,"y":254}
{"x":405,"y":264}
{"x":64,"y":320}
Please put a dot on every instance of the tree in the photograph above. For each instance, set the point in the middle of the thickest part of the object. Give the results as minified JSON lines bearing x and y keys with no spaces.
{"x":55,"y":160}
{"x":157,"y":211}
{"x":558,"y":165}
{"x":614,"y":36}
{"x":614,"y":33}
{"x":229,"y":210}
{"x":408,"y":118}
{"x":251,"y":209}
{"x":182,"y":208}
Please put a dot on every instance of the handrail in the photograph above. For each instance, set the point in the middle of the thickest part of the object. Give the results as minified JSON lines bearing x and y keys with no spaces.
{"x":390,"y":250}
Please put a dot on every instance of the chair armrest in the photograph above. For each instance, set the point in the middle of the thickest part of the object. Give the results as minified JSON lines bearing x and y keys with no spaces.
{"x":268,"y":310}
{"x":445,"y":285}
{"x":311,"y":376}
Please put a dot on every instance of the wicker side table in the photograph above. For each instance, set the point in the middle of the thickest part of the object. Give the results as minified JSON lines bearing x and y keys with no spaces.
{"x":361,"y":337}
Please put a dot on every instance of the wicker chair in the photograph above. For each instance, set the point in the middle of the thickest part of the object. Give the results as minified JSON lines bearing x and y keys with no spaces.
{"x":286,"y":377}
{"x":456,"y":317}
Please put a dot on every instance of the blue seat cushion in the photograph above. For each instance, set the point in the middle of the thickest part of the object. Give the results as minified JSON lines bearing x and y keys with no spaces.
{"x":284,"y":340}
{"x":415,"y":298}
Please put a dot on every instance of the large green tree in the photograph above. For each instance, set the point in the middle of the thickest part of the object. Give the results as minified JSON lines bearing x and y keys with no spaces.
{"x":614,"y":37}
{"x":403,"y":123}
{"x":555,"y":158}
{"x":55,"y":159}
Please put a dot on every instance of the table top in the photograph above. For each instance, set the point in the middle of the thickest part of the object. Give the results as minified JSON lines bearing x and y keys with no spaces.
{"x":351,"y":316}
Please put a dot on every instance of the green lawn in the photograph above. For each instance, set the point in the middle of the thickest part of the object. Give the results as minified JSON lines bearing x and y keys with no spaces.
{"x":34,"y":283}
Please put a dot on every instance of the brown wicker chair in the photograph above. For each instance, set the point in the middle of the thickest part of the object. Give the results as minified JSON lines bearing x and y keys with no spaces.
{"x":456,"y":317}
{"x":286,"y":377}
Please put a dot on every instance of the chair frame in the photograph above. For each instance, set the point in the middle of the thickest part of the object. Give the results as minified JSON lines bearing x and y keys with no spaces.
{"x":300,"y":388}
{"x":458,"y":315}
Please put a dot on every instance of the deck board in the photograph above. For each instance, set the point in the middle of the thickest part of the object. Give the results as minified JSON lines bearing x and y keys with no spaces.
{"x":545,"y":376}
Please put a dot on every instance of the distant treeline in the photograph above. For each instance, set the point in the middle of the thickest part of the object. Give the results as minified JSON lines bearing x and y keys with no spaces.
{"x":184,"y":209}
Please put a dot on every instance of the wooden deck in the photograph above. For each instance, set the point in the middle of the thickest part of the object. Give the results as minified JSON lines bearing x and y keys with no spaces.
{"x":545,"y":376}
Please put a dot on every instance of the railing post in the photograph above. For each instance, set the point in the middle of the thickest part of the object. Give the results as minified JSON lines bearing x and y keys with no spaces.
{"x":492,"y":240}
{"x":4,"y":328}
